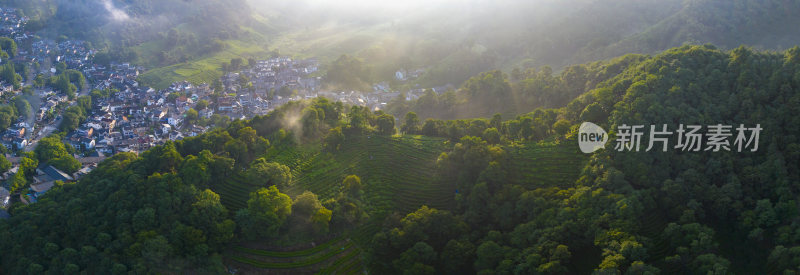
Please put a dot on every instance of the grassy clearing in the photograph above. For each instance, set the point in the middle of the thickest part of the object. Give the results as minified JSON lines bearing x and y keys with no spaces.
{"x":203,"y":70}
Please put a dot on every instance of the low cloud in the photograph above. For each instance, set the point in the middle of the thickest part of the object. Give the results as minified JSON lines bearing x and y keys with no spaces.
{"x":115,"y":13}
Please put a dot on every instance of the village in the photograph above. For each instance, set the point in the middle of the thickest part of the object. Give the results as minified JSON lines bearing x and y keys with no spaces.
{"x":133,"y":117}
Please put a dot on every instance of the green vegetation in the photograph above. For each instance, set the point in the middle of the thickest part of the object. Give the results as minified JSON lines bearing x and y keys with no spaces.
{"x":496,"y":92}
{"x":204,"y":69}
{"x":10,"y":113}
{"x":295,"y":264}
{"x":483,"y":195}
{"x":349,"y":73}
{"x":52,"y":151}
{"x":118,"y":221}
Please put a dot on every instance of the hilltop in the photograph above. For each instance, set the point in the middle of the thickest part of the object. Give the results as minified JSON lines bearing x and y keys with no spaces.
{"x":318,"y":186}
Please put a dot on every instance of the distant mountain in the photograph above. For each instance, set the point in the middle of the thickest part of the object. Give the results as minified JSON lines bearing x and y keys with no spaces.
{"x":451,"y":40}
{"x":456,"y":40}
{"x":174,"y":30}
{"x":728,"y":24}
{"x":559,"y":34}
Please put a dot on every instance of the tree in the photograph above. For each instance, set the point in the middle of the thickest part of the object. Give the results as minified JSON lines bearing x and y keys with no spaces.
{"x":359,"y":118}
{"x":220,"y":120}
{"x":491,"y":135}
{"x":417,"y":257}
{"x":244,"y":82}
{"x":593,"y":113}
{"x":217,"y":86}
{"x":85,"y":102}
{"x":201,"y":105}
{"x":386,"y":124}
{"x":61,"y":67}
{"x":191,"y":116}
{"x":70,"y":121}
{"x":410,"y":124}
{"x":457,"y":256}
{"x":77,"y":78}
{"x":23,"y":107}
{"x":236,"y":63}
{"x":265,"y":173}
{"x":320,"y":220}
{"x":352,"y":186}
{"x":4,"y":164}
{"x":209,"y":215}
{"x":61,"y":83}
{"x":171,"y":97}
{"x":18,"y":181}
{"x":195,"y":170}
{"x":561,"y":127}
{"x":266,"y":212}
{"x":308,"y":210}
{"x":334,"y":139}
{"x":66,"y":163}
{"x":156,"y":250}
{"x":52,"y":151}
{"x":9,"y":75}
{"x":238,"y":151}
{"x":247,"y":135}
{"x":489,"y":254}
{"x":9,"y":46}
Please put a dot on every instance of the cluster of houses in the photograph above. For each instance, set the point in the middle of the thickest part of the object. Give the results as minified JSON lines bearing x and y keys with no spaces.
{"x":266,"y":77}
{"x":274,"y":73}
{"x":403,"y":74}
{"x":378,"y":99}
{"x":136,"y":117}
{"x":11,"y":24}
{"x":297,"y":75}
{"x":47,"y":52}
{"x":45,"y":178}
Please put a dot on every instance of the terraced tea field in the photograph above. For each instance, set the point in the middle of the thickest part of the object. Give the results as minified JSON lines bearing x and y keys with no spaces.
{"x":398,"y":174}
{"x":337,"y":256}
{"x":536,"y":165}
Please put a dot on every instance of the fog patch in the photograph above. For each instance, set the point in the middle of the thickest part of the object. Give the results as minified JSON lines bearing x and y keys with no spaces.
{"x":115,"y":13}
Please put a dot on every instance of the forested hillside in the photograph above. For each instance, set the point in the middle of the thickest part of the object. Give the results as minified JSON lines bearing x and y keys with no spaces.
{"x":151,"y":33}
{"x":497,"y":92}
{"x":494,"y":195}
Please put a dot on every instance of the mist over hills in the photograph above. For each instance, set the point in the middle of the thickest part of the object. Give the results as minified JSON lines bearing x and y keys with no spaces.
{"x":453,"y":40}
